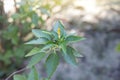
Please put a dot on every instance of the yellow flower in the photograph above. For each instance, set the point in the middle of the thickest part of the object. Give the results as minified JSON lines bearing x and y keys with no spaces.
{"x":58,"y":32}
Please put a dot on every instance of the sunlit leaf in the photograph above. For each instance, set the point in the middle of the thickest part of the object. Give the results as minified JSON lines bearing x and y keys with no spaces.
{"x":33,"y":52}
{"x":38,"y":41}
{"x":41,"y":33}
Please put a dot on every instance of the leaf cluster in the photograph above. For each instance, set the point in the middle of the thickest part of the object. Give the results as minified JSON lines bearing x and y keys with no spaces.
{"x":53,"y":42}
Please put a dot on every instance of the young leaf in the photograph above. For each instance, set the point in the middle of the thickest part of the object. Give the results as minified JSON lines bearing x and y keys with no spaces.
{"x":58,"y":25}
{"x":19,"y":77}
{"x":38,"y":41}
{"x":64,"y":47}
{"x":41,"y":33}
{"x":55,"y":35}
{"x":51,"y":64}
{"x":33,"y":52}
{"x":69,"y":57}
{"x":38,"y":50}
{"x":72,"y":38}
{"x":35,"y":59}
{"x":33,"y":75}
{"x":48,"y":46}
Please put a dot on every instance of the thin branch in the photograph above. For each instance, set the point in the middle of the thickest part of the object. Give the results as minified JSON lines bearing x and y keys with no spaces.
{"x":15,"y":73}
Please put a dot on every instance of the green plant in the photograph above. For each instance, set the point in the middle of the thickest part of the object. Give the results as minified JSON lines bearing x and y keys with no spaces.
{"x":53,"y":43}
{"x":15,"y":29}
{"x":14,"y":33}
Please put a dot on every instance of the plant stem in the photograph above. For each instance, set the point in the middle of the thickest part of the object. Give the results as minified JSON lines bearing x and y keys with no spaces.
{"x":15,"y":73}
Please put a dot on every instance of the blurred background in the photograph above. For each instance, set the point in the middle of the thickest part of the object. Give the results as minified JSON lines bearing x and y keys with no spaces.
{"x":97,"y":20}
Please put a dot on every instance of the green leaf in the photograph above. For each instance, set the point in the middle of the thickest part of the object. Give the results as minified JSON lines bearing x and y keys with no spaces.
{"x":57,"y":25}
{"x":51,"y":64}
{"x":69,"y":57}
{"x":35,"y":19}
{"x":38,"y":41}
{"x":38,"y":50}
{"x":41,"y":33}
{"x":35,"y":59}
{"x":11,"y":32}
{"x":33,"y":75}
{"x":33,"y":52}
{"x":16,"y":16}
{"x":45,"y":79}
{"x":19,"y":77}
{"x":48,"y":46}
{"x":75,"y":53}
{"x":55,"y":35}
{"x":64,"y":47}
{"x":72,"y":38}
{"x":118,"y":48}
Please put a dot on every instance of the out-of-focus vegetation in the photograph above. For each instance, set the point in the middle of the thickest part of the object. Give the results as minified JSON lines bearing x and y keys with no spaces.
{"x":15,"y":28}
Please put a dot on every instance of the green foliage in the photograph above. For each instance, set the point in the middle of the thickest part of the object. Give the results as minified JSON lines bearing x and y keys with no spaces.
{"x":35,"y":59}
{"x":52,"y":42}
{"x":57,"y":26}
{"x":19,"y":77}
{"x":38,"y":41}
{"x":33,"y":75}
{"x":52,"y":63}
{"x":72,"y":38}
{"x":69,"y":56}
{"x":13,"y":34}
{"x":41,"y":33}
{"x":33,"y":52}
